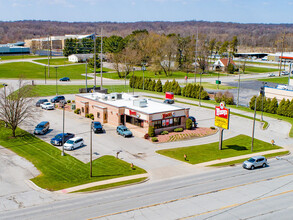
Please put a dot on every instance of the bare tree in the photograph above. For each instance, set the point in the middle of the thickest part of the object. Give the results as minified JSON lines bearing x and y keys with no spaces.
{"x":16,"y":106}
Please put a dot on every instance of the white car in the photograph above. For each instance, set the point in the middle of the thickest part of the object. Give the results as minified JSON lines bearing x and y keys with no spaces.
{"x":73,"y":143}
{"x":284,"y":73}
{"x":271,"y":75}
{"x":47,"y":106}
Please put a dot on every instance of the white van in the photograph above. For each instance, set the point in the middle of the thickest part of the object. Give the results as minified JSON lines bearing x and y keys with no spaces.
{"x":73,"y":143}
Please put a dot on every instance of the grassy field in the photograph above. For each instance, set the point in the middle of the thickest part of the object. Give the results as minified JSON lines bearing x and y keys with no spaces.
{"x":253,"y":69}
{"x":19,"y":57}
{"x":236,"y":146}
{"x":35,"y":71}
{"x":59,"y":172}
{"x":279,"y":80}
{"x":233,"y":162}
{"x":56,"y":61}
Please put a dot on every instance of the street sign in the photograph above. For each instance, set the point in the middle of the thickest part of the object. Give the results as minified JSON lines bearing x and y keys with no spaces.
{"x":222,"y":116}
{"x":218,"y":82}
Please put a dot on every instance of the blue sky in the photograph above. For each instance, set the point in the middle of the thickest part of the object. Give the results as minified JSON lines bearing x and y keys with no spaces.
{"x":243,"y":11}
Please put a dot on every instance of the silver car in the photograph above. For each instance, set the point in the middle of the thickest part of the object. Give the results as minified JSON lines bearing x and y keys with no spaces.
{"x":256,"y":161}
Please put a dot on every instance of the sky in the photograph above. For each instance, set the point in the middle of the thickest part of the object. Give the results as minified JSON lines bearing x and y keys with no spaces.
{"x":239,"y":11}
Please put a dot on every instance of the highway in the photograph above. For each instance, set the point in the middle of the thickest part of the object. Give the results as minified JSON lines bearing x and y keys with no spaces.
{"x":223,"y":193}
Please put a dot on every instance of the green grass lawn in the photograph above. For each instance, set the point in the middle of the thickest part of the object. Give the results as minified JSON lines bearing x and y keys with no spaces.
{"x":35,"y":71}
{"x":279,"y":80}
{"x":55,"y":61}
{"x":233,"y":162}
{"x":258,"y":63}
{"x":236,"y":146}
{"x":253,"y":69}
{"x":19,"y":57}
{"x":59,"y":172}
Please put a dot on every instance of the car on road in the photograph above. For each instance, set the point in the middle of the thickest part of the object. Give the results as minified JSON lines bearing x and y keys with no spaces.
{"x":97,"y":127}
{"x":58,"y":98}
{"x":169,"y":101}
{"x":41,"y":101}
{"x":256,"y":161}
{"x":284,"y":73}
{"x":47,"y":106}
{"x":271,"y":75}
{"x":73,"y":143}
{"x":57,"y":140}
{"x":42,"y":127}
{"x":64,"y":79}
{"x":124,"y":131}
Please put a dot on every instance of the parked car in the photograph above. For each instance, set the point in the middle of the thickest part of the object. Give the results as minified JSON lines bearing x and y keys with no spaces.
{"x":58,"y":98}
{"x":193,"y":119}
{"x":64,"y":79}
{"x":97,"y":127}
{"x":47,"y":106}
{"x":271,"y":75}
{"x":256,"y":161}
{"x":124,"y":131}
{"x":169,"y":101}
{"x":42,"y":128}
{"x":41,"y":101}
{"x":57,"y":140}
{"x":73,"y":143}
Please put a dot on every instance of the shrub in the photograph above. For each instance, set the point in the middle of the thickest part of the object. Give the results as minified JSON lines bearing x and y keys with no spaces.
{"x":68,"y":101}
{"x":213,"y":128}
{"x":188,"y":124}
{"x":77,"y":111}
{"x":164,"y":132}
{"x":151,"y":131}
{"x":92,"y":117}
{"x":154,"y":139}
{"x":87,"y":115}
{"x":73,"y":101}
{"x":146,"y":136}
{"x":178,"y":129}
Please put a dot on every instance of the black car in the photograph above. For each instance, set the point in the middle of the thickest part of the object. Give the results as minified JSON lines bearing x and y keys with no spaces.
{"x":57,"y":140}
{"x":41,"y":101}
{"x":57,"y":98}
{"x":194,"y":123}
{"x":64,"y":79}
{"x":169,"y":101}
{"x":97,"y":127}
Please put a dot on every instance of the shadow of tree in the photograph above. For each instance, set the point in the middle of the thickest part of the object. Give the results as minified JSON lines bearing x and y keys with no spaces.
{"x":235,"y":147}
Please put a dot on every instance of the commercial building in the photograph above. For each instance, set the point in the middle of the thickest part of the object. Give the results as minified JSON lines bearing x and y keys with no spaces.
{"x":281,"y":92}
{"x":134,"y":112}
{"x":13,"y":49}
{"x":286,"y":57}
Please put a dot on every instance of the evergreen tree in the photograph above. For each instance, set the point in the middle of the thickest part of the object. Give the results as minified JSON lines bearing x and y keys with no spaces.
{"x":178,"y":90}
{"x":267,"y":105}
{"x":173,"y":86}
{"x":158,"y":87}
{"x":273,"y":106}
{"x":281,"y":107}
{"x":286,"y":108}
{"x":252,"y":102}
{"x":290,"y":109}
{"x":259,"y":103}
{"x":165,"y":86}
{"x":183,"y":91}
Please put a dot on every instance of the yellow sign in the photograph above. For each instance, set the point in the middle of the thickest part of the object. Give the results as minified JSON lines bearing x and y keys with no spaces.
{"x":221,"y":122}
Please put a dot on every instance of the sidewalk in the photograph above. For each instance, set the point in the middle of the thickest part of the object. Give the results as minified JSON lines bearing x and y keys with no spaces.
{"x":100,"y":183}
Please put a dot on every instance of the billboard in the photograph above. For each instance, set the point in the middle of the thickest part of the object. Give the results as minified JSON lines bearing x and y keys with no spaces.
{"x":222,"y":116}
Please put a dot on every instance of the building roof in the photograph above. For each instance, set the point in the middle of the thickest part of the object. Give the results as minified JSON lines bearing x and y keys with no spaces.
{"x":225,"y":61}
{"x":127,"y":101}
{"x":83,"y":56}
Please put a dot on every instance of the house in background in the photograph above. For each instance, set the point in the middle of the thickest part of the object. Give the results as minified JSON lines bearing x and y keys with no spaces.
{"x":80,"y":58}
{"x":223,"y":63}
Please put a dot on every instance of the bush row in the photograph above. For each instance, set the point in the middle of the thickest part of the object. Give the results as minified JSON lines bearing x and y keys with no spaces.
{"x":227,"y":97}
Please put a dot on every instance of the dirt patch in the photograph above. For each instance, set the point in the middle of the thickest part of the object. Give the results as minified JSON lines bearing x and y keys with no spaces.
{"x":186,"y":134}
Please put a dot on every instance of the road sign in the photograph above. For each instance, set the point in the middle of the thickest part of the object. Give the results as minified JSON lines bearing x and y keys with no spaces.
{"x":218,"y":82}
{"x":222,"y":116}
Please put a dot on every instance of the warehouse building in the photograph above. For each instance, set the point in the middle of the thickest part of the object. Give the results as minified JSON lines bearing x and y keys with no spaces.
{"x":14,"y":49}
{"x":134,"y":112}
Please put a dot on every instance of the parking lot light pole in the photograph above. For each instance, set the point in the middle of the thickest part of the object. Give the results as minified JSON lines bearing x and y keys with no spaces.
{"x":143,"y":69}
{"x":86,"y":76}
{"x":56,"y":67}
{"x":238,"y":89}
{"x":133,"y":81}
{"x":4,"y":84}
{"x":262,"y":92}
{"x":253,"y":127}
{"x":91,"y":150}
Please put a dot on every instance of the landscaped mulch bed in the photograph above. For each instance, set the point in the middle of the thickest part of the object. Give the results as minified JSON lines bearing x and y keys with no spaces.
{"x":186,"y":134}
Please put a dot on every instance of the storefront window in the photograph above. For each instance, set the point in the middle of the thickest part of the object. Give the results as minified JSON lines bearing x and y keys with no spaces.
{"x":98,"y":114}
{"x":167,"y":123}
{"x":135,"y":121}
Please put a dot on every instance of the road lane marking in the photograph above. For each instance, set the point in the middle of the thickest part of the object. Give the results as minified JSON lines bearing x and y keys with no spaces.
{"x":201,"y":194}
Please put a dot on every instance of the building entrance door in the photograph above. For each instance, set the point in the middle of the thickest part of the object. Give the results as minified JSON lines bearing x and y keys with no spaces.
{"x":122,"y":119}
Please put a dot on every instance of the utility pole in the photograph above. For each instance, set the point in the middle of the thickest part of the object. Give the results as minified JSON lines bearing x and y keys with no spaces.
{"x":86,"y":76}
{"x":91,"y":151}
{"x":199,"y":103}
{"x":253,"y":127}
{"x":95,"y":51}
{"x":238,"y":88}
{"x":195,"y":62}
{"x":289,"y":73}
{"x":62,"y":153}
{"x":282,"y":54}
{"x":49,"y":56}
{"x":101,"y":59}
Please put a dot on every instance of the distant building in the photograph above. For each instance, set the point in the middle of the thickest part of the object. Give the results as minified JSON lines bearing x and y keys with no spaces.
{"x":251,"y":55}
{"x":13,"y":49}
{"x":81,"y":58}
{"x":53,"y":42}
{"x":281,"y":92}
{"x":287,"y":56}
{"x":223,"y":63}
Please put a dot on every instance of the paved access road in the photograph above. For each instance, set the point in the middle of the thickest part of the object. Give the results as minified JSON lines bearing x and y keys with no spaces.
{"x":226,"y":193}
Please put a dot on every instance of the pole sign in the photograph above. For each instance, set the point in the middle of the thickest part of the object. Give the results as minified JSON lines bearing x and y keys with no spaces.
{"x":222,"y":116}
